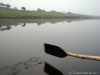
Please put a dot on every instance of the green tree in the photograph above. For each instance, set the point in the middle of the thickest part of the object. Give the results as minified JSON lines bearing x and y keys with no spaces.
{"x":15,"y":8}
{"x":43,"y":10}
{"x":39,"y":10}
{"x":7,"y":6}
{"x":53,"y":11}
{"x":69,"y":12}
{"x":2,"y":4}
{"x":23,"y":8}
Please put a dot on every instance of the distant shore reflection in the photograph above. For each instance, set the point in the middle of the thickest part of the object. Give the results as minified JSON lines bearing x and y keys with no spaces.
{"x":8,"y":25}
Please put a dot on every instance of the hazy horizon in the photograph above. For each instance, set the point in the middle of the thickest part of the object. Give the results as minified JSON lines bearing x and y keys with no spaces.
{"x":87,"y":7}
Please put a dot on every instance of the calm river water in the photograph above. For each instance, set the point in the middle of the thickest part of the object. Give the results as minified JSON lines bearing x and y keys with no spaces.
{"x":22,"y":48}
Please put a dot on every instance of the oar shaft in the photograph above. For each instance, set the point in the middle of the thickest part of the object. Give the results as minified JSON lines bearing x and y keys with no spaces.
{"x":84,"y":56}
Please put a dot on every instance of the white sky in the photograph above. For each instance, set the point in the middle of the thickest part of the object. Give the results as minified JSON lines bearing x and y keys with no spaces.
{"x":87,"y":7}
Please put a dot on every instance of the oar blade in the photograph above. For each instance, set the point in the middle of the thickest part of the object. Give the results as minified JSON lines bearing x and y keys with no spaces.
{"x":54,"y":50}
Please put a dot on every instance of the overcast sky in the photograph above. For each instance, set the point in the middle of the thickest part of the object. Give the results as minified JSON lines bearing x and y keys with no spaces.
{"x":88,"y":7}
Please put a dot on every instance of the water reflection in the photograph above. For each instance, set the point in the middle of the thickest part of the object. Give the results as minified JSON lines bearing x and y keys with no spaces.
{"x":2,"y":28}
{"x":40,"y":23}
{"x":8,"y":23}
{"x":68,"y":21}
{"x":24,"y":25}
{"x":18,"y":67}
{"x":50,"y":70}
{"x":53,"y":22}
{"x":8,"y":27}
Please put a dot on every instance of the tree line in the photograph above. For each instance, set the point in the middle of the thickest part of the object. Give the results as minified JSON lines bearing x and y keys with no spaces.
{"x":5,"y":5}
{"x":8,"y":6}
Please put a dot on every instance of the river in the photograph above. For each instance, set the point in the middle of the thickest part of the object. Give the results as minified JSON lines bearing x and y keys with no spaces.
{"x":22,"y":49}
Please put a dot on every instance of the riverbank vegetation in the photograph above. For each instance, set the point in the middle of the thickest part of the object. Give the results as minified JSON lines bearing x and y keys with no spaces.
{"x":6,"y":12}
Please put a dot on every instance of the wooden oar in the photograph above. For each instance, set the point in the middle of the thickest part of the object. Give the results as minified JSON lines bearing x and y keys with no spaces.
{"x":57,"y":51}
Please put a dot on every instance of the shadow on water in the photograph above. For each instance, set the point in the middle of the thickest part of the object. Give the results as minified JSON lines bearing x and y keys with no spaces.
{"x":50,"y":70}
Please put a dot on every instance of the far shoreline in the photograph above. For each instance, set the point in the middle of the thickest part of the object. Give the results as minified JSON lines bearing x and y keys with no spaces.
{"x":21,"y":14}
